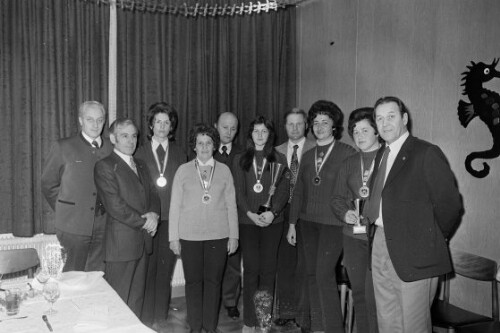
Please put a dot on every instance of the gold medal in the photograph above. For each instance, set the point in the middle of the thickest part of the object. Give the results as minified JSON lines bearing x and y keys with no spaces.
{"x":364,"y":191}
{"x":161,"y":181}
{"x":317,"y":180}
{"x":206,"y":198}
{"x":257,"y":188}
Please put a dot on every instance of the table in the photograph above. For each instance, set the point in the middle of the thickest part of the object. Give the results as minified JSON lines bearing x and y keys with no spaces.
{"x":87,"y":304}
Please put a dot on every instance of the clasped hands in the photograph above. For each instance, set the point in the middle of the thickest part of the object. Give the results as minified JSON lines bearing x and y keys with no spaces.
{"x":262,"y":220}
{"x":151,"y":223}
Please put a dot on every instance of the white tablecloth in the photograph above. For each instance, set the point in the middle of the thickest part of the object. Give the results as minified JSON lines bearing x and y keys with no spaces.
{"x":87,"y":304}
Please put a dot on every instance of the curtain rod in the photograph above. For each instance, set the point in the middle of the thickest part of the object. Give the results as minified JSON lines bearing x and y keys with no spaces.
{"x":195,"y":10}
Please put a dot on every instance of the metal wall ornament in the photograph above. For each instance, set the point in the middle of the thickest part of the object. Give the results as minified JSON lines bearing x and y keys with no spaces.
{"x":484,"y":104}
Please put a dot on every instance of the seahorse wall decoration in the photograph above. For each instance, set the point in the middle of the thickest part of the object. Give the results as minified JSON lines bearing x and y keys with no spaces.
{"x":485,"y":104}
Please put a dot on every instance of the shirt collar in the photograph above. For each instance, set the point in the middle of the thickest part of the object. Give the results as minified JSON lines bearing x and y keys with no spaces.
{"x":89,"y":139}
{"x":156,"y":143}
{"x":229,"y":146}
{"x":123,"y":156}
{"x":300,"y":143}
{"x":396,"y":145}
{"x":210,"y":162}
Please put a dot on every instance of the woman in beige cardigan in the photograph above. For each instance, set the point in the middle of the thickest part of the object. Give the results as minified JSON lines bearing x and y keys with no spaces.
{"x":203,"y":227}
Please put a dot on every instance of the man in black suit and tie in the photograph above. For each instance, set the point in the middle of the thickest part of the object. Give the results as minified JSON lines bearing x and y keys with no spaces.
{"x":227,"y":126}
{"x":415,"y":204}
{"x":133,"y":208}
{"x":68,"y":186}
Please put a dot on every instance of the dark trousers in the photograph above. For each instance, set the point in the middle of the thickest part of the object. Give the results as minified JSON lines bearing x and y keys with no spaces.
{"x":203,"y":263}
{"x":231,"y":283}
{"x":84,"y":253}
{"x":259,"y":247}
{"x":286,"y":282}
{"x":322,"y":250}
{"x":128,"y":279}
{"x":356,"y":263}
{"x":159,"y":277}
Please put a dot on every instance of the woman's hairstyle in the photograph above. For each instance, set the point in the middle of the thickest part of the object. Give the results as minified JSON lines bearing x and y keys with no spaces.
{"x":247,"y":158}
{"x":331,"y":110}
{"x":169,"y":110}
{"x":203,"y":129}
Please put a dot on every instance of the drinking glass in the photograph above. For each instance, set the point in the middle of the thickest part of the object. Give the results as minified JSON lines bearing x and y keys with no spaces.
{"x":51,"y":293}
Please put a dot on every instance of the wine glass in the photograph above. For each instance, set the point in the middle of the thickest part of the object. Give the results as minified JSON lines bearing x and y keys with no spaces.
{"x":51,"y":293}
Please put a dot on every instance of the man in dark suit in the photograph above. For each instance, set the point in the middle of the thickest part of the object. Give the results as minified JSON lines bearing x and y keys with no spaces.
{"x":287,"y":291}
{"x":227,"y":126}
{"x":68,"y":186}
{"x":415,"y":205}
{"x":162,"y":157}
{"x":133,"y":208}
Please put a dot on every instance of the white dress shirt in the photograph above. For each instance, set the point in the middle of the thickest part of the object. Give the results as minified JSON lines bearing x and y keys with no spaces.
{"x":395,"y":148}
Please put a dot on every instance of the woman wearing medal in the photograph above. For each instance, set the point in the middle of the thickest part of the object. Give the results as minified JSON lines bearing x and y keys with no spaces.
{"x":259,"y":233}
{"x":162,"y":157}
{"x":203,"y":226}
{"x":320,"y":230}
{"x":352,"y":184}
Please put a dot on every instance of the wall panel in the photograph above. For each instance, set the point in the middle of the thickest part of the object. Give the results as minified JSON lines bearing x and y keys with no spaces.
{"x":416,"y":50}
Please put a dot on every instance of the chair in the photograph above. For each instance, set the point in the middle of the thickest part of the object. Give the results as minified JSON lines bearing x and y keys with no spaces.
{"x":450,"y":317}
{"x":489,"y":327}
{"x":14,"y":261}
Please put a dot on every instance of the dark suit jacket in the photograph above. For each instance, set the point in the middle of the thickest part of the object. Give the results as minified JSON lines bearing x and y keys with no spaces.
{"x":421,"y":206}
{"x":126,"y":197}
{"x":235,"y":149}
{"x":176,"y":157}
{"x":68,"y":183}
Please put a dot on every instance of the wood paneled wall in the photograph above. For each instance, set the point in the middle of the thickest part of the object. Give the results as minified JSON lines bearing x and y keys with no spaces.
{"x":353,"y":52}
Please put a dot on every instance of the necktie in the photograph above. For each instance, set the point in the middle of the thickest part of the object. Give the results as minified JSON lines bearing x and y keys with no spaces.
{"x":95,"y":144}
{"x":224,"y":151}
{"x":372,"y":206}
{"x":294,"y":168}
{"x":160,"y":153}
{"x":133,"y":166}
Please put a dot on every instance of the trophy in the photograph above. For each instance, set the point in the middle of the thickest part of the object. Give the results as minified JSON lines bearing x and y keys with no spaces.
{"x":358,"y":228}
{"x":276,"y":172}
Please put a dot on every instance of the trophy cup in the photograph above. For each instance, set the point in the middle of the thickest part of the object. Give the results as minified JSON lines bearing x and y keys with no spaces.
{"x":358,"y":228}
{"x":276,"y":172}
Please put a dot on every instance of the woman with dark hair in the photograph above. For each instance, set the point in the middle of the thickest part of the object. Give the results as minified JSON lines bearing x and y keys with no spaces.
{"x":320,"y":229}
{"x":203,"y":226}
{"x":260,"y":233}
{"x":352,"y":187}
{"x":162,"y":157}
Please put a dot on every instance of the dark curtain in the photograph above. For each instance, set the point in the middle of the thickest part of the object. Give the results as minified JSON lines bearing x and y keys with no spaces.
{"x":207,"y":65}
{"x":53,"y":56}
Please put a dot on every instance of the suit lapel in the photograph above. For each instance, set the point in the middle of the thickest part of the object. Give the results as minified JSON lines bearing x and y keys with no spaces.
{"x":400,"y":160}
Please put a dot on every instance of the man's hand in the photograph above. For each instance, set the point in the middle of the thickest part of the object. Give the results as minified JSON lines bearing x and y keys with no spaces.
{"x":232,"y":245}
{"x":291,"y":236}
{"x":175,"y":246}
{"x":151,"y":223}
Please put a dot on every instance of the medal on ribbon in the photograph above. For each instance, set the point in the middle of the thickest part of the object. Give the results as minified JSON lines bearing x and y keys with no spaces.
{"x":161,"y":181}
{"x":258,"y":187}
{"x":319,"y":161}
{"x":206,"y":198}
{"x":364,"y":190}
